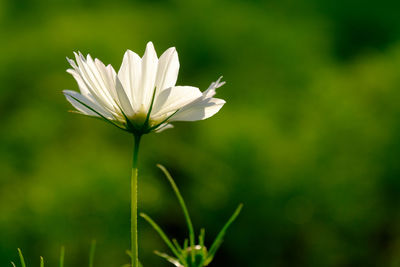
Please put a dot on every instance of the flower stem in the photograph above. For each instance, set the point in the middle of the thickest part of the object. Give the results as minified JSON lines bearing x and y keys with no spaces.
{"x":134,"y":203}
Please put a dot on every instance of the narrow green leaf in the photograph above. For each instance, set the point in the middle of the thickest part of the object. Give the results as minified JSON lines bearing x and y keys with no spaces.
{"x":218,"y":240}
{"x":183,"y":205}
{"x":178,"y":247}
{"x":161,"y":233}
{"x":185,"y":244}
{"x":21,"y":258}
{"x":13,"y":264}
{"x":92,"y":251}
{"x":41,"y":261}
{"x":62,"y":255}
{"x":201,"y":237}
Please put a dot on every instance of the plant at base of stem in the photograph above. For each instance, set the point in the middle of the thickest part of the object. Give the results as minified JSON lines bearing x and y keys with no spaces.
{"x":62,"y":255}
{"x":189,"y":254}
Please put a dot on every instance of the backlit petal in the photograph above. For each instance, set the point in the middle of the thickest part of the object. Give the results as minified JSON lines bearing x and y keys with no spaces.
{"x":130,"y":76}
{"x":147,"y":82}
{"x":199,"y":110}
{"x":168,"y":68}
{"x":86,"y":105}
{"x":174,"y":98}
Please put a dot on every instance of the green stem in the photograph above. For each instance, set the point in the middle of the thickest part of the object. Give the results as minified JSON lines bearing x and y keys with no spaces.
{"x":134,"y":203}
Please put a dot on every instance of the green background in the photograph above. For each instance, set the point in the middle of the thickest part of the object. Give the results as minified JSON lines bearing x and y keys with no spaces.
{"x":309,"y":139}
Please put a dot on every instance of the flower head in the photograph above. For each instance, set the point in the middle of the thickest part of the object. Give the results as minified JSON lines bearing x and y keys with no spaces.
{"x":142,"y":97}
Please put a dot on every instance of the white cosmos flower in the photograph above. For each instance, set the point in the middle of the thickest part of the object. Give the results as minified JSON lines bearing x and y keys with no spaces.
{"x":142,"y":96}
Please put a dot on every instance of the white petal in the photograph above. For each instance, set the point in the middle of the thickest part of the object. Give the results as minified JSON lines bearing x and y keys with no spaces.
{"x":130,"y":75}
{"x":211,"y":90}
{"x":82,"y":86}
{"x":86,"y":105}
{"x":107,"y":76}
{"x":98,"y":91}
{"x":123,"y":99}
{"x":168,"y":68}
{"x":116,"y":90}
{"x":149,"y":71}
{"x":174,"y":98}
{"x":164,"y":127}
{"x":199,"y":110}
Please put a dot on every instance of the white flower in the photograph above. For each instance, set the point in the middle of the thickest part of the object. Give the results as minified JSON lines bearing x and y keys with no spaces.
{"x":142,"y":96}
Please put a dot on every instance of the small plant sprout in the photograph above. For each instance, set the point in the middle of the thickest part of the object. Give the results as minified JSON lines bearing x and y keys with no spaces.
{"x":141,"y":98}
{"x":62,"y":256}
{"x":190,"y":254}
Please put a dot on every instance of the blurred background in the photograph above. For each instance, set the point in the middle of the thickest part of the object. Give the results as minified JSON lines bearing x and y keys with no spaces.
{"x":309,"y":139}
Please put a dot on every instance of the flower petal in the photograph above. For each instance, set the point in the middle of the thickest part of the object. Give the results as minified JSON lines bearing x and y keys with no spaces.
{"x":211,"y":90}
{"x":174,"y":98}
{"x":86,"y":105}
{"x":147,"y":82}
{"x":91,"y":78}
{"x":168,"y":68}
{"x":199,"y":110}
{"x":130,"y":75}
{"x":164,"y":127}
{"x":123,"y":99}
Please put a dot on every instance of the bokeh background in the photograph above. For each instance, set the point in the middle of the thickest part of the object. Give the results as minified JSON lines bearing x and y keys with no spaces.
{"x":308,"y":139}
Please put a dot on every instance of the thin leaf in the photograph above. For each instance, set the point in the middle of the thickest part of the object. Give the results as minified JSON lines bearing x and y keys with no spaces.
{"x":218,"y":240}
{"x":183,"y":205}
{"x":161,"y":233}
{"x":185,"y":244}
{"x":21,"y":258}
{"x":201,"y":237}
{"x":13,"y":264}
{"x":41,"y":261}
{"x":178,"y":247}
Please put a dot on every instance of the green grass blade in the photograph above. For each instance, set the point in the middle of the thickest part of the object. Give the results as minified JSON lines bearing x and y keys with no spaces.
{"x":183,"y":205}
{"x":161,"y":233}
{"x":62,"y":255}
{"x":92,"y":251}
{"x":176,"y":243}
{"x":218,"y":240}
{"x":21,"y":258}
{"x":201,"y":237}
{"x":41,"y":261}
{"x":13,"y":264}
{"x":185,"y":244}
